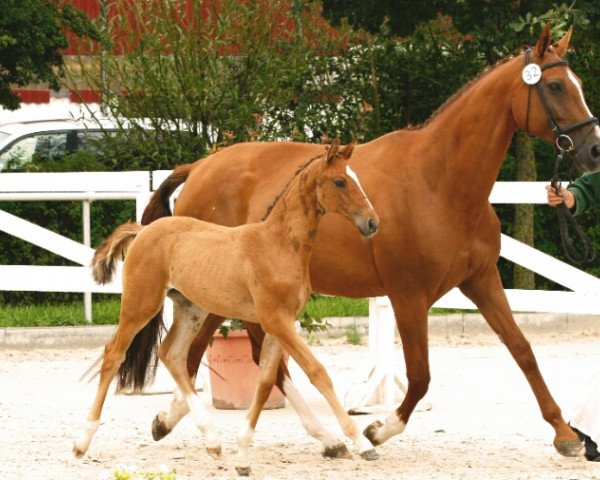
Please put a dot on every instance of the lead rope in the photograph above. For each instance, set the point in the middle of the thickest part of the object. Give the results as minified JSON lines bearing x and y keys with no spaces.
{"x":566,"y":220}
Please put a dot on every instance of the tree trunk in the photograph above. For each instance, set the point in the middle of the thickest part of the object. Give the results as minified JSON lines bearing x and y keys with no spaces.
{"x":525,"y":158}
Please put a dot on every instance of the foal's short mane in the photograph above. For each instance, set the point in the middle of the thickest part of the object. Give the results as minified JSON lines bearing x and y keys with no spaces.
{"x":300,"y":169}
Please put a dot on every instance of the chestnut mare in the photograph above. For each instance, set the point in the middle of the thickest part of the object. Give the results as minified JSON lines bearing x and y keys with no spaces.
{"x":256,"y":272}
{"x":430,"y":186}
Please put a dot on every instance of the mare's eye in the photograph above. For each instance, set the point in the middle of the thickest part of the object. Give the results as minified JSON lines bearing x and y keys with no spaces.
{"x":555,"y":87}
{"x":340,"y":182}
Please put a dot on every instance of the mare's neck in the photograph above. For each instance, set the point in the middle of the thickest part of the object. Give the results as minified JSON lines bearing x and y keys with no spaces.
{"x":469,"y":139}
{"x":295,"y":217}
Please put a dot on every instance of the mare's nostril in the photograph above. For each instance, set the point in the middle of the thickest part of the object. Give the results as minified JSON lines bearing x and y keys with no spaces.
{"x":595,"y":151}
{"x":373,"y":225}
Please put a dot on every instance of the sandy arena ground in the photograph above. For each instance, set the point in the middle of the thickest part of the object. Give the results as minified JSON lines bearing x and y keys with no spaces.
{"x":484,"y":423}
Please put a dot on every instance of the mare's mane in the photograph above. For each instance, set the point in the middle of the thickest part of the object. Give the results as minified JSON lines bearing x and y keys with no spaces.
{"x":458,"y":94}
{"x":299,"y":170}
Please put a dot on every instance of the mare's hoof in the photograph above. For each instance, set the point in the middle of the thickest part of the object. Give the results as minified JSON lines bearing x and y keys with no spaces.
{"x":337,"y":451}
{"x":159,"y":430}
{"x":214,"y":451}
{"x":243,"y":471}
{"x":369,"y":455}
{"x":78,"y":452}
{"x":569,"y":448}
{"x":371,"y":430}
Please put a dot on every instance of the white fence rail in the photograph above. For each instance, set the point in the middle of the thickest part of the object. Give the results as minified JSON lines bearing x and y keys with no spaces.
{"x":91,"y":186}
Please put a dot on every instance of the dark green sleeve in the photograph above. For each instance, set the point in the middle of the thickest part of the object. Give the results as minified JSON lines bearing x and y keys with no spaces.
{"x":586,"y":190}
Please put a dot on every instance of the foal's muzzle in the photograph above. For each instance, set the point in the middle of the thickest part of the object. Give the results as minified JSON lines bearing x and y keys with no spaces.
{"x":369,"y":226}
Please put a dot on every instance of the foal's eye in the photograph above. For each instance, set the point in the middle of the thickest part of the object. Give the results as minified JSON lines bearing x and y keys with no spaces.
{"x":555,"y":87}
{"x":340,"y":182}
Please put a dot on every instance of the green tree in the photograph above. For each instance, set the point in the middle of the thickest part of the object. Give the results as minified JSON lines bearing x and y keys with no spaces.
{"x":205,"y":74}
{"x":31,"y":40}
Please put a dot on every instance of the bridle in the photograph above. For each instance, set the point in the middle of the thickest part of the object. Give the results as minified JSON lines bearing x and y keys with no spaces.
{"x":564,"y":144}
{"x":563,"y":141}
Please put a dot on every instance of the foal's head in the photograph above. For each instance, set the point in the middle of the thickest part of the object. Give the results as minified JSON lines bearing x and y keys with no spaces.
{"x":550,"y":101}
{"x":338,"y":189}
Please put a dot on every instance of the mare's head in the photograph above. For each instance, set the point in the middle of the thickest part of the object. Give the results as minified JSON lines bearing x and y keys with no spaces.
{"x":549,"y":102}
{"x":338,"y":189}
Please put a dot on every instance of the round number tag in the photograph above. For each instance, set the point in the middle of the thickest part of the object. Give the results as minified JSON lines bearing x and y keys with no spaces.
{"x":531,"y":74}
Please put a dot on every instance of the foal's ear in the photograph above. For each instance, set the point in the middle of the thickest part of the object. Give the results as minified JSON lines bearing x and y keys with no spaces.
{"x":347,"y":150}
{"x":332,"y":150}
{"x":543,"y":42}
{"x":562,"y":46}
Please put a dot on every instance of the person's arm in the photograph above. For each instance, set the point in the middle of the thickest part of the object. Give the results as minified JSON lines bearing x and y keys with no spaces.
{"x":582,"y":195}
{"x":586,"y":191}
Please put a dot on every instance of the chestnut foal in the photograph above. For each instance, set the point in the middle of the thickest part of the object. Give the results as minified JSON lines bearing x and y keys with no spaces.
{"x":257,"y":272}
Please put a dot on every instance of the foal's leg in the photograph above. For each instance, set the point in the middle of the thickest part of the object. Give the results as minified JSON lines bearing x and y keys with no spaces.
{"x":270,"y":358}
{"x":485,"y":290}
{"x":164,"y":422}
{"x":413,"y":333}
{"x":136,"y":311}
{"x":174,"y":352}
{"x":282,"y":327}
{"x":332,"y":447}
{"x":270,"y":355}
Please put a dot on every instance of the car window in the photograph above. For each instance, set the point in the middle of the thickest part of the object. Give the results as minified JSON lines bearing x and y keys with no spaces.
{"x":46,"y":145}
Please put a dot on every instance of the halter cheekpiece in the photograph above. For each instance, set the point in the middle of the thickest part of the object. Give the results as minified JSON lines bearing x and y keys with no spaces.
{"x":564,"y":144}
{"x":563,"y":141}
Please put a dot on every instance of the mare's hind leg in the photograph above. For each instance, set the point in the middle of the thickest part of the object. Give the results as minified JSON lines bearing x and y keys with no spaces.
{"x":136,"y":312}
{"x":485,"y":290}
{"x":174,"y":352}
{"x":282,"y":327}
{"x":413,"y":333}
{"x":164,"y":422}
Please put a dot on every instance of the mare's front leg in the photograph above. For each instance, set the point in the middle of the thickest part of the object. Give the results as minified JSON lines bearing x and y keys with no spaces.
{"x":282,"y":327}
{"x":485,"y":290}
{"x":411,"y":320}
{"x":164,"y":422}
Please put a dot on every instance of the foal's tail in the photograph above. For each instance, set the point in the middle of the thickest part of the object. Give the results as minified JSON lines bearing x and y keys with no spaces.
{"x":139,"y":367}
{"x":112,"y":250}
{"x":159,"y":206}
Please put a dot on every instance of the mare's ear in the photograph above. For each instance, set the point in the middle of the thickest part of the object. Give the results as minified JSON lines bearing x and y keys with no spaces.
{"x":562,"y":46}
{"x":347,"y":150}
{"x":332,"y":150}
{"x":543,"y":42}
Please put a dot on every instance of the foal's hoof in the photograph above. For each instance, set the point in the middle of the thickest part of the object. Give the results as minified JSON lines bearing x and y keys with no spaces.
{"x":159,"y":429}
{"x":569,"y":448}
{"x":78,"y":452}
{"x":243,"y":471}
{"x":369,"y":455}
{"x":214,"y":452}
{"x":337,"y":451}
{"x":371,"y":430}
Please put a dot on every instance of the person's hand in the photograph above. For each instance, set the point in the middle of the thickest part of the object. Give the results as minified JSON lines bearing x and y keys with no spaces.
{"x":563,"y":195}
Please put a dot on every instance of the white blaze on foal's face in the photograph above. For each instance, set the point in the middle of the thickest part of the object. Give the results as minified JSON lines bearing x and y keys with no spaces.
{"x":352,"y":174}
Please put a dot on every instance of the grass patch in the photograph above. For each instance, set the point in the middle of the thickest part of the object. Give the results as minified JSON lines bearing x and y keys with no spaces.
{"x":322,"y":307}
{"x":106,"y":312}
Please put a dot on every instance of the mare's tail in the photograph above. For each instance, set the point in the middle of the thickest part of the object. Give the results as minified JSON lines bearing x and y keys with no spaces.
{"x":141,"y":360}
{"x":159,"y":206}
{"x":111,"y":250}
